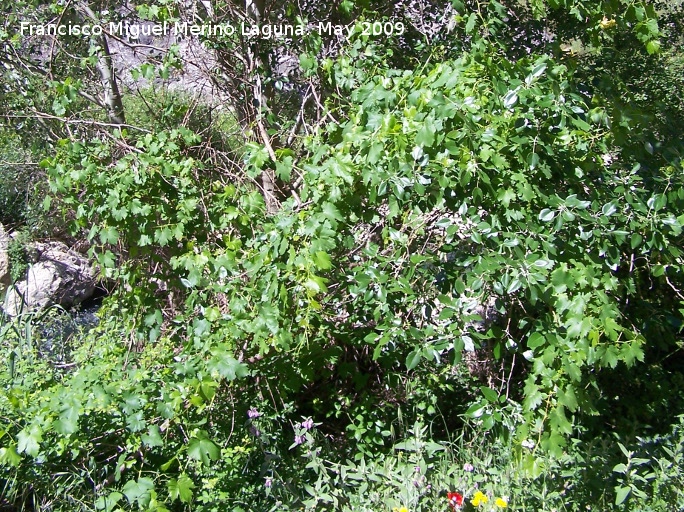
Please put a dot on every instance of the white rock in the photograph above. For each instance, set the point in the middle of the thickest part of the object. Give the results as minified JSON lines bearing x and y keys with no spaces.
{"x":58,"y":276}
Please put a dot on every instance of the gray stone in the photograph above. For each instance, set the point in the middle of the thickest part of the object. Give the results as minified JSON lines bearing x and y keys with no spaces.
{"x":57,"y":276}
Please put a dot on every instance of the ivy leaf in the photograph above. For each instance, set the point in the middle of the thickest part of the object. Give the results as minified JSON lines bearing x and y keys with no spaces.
{"x":28,"y":441}
{"x":9,"y":456}
{"x":226,"y":366}
{"x":331,"y":213}
{"x":107,"y":260}
{"x":322,"y":260}
{"x":153,"y":437}
{"x":181,"y":488}
{"x":203,"y":449}
{"x":135,"y":422}
{"x":653,"y":46}
{"x":68,"y":421}
{"x":107,"y":503}
{"x":426,"y":135}
{"x":470,"y":24}
{"x":163,"y":236}
{"x":139,"y":490}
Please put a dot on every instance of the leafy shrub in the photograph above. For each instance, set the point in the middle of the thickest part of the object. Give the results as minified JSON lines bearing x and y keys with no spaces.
{"x":18,"y":254}
{"x":17,"y":181}
{"x":477,"y":217}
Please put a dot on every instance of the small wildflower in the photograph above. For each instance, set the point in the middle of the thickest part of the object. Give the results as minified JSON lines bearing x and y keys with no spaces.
{"x":299,"y":439}
{"x":253,"y":413}
{"x":402,"y":509}
{"x":268,"y":483}
{"x":468,"y":467}
{"x":307,"y":424}
{"x":455,"y":500}
{"x":479,"y":499}
{"x":605,"y":23}
{"x":501,"y":502}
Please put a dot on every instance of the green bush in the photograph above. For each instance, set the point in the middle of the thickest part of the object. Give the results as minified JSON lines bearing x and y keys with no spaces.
{"x":477,"y":260}
{"x":18,"y":177}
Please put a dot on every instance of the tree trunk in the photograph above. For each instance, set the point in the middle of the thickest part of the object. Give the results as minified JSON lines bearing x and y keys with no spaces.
{"x":105,"y":66}
{"x":255,"y":11}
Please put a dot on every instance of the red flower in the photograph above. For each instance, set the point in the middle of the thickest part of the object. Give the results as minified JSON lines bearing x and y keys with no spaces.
{"x":455,"y":500}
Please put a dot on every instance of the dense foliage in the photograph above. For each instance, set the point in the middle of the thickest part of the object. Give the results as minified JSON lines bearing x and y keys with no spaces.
{"x":458,"y":269}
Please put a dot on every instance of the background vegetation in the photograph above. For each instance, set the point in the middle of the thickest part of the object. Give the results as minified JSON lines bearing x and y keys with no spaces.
{"x":442,"y":260}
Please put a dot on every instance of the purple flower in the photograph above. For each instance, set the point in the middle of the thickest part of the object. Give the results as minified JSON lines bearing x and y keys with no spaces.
{"x":253,"y":413}
{"x":268,"y":483}
{"x":468,"y":467}
{"x":299,"y":439}
{"x":307,"y":424}
{"x":417,"y":469}
{"x":254,"y":431}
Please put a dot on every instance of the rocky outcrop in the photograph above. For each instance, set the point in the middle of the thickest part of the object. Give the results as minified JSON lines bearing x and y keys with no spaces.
{"x":56,"y":276}
{"x":5,"y":279}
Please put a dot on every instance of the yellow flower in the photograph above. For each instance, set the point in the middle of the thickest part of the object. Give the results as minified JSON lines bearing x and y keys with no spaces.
{"x":479,"y":499}
{"x":500,"y":502}
{"x":605,"y":23}
{"x":402,"y":509}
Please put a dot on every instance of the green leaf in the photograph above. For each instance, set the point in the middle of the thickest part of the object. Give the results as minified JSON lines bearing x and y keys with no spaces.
{"x":491,"y":395}
{"x":536,"y":73}
{"x":322,"y":260}
{"x":28,"y":441}
{"x":470,"y":24}
{"x":109,"y":235}
{"x":9,"y":456}
{"x":203,"y":449}
{"x":476,"y":410}
{"x":510,"y":99}
{"x":139,"y":490}
{"x":608,"y":209}
{"x":153,"y":437}
{"x":107,"y":503}
{"x":163,"y":236}
{"x":653,"y":46}
{"x":331,"y":212}
{"x":622,"y":494}
{"x":413,"y":359}
{"x":535,"y":340}
{"x":546,"y":215}
{"x":68,"y":420}
{"x":147,"y":71}
{"x":426,"y":135}
{"x":181,"y":489}
{"x":226,"y":365}
{"x":107,"y":260}
{"x":567,"y":398}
